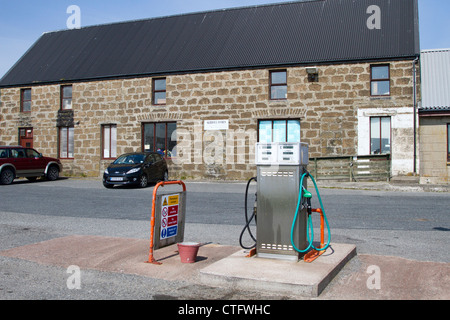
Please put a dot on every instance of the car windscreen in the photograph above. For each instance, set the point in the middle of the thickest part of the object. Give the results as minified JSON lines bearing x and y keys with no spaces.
{"x":130,"y":159}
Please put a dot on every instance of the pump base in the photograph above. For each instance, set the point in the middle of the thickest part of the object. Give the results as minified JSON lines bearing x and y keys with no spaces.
{"x":251,"y":253}
{"x":275,"y":256}
{"x":294,"y":278}
{"x":312,"y":255}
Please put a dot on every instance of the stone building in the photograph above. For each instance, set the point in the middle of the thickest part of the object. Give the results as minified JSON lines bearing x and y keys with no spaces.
{"x":205,"y":87}
{"x":435,"y":117}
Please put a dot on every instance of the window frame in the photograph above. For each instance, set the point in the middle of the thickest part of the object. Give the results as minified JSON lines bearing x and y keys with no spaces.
{"x":154,"y":92}
{"x":271,"y":84}
{"x":166,"y":139}
{"x":108,"y":127}
{"x":381,"y":134}
{"x":372,"y":80}
{"x":62,"y":98}
{"x":60,"y":140}
{"x":22,"y":100}
{"x":273,"y":124}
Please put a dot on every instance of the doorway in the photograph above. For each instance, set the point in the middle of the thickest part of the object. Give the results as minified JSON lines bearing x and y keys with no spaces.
{"x":26,"y":137}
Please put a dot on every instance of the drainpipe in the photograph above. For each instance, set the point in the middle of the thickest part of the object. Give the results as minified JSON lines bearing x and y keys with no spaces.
{"x":415,"y":113}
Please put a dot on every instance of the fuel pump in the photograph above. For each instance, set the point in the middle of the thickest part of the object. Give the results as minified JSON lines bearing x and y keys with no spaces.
{"x":283,"y":208}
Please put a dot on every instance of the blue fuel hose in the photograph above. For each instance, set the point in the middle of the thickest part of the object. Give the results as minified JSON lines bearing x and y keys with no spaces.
{"x":310,"y":231}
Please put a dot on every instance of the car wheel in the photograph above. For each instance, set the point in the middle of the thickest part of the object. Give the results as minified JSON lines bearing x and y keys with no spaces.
{"x":53,"y":173}
{"x":7,"y":176}
{"x":166,"y":176}
{"x":143,"y":181}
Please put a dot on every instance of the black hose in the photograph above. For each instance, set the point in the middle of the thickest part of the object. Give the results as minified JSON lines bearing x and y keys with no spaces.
{"x":248,"y":221}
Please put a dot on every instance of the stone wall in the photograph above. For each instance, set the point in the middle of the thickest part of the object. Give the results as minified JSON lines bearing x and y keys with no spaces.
{"x":328,"y":110}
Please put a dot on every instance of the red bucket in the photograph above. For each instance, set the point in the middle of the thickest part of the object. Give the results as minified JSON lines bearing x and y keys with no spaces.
{"x":188,"y":251}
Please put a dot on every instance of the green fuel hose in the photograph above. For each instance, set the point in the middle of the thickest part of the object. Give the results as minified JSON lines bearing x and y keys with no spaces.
{"x":310,"y":231}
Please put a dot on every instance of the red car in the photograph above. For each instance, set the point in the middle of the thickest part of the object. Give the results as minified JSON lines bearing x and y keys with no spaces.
{"x":17,"y":161}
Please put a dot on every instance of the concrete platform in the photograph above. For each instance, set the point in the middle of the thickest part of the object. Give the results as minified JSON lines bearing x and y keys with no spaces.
{"x":300,"y":278}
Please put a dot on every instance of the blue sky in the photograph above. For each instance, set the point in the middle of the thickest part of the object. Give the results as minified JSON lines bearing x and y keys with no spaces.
{"x":22,"y":22}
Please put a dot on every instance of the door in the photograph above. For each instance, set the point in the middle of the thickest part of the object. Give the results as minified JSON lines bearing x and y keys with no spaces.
{"x":154,"y":167}
{"x":160,"y":168}
{"x":26,"y":137}
{"x":150,"y":167}
{"x":20,"y":162}
{"x":37,"y":163}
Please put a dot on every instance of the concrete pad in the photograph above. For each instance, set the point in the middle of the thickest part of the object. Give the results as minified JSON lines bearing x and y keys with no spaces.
{"x":118,"y":255}
{"x":290,"y":277}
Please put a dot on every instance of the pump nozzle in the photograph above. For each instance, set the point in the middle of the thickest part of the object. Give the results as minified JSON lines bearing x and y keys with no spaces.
{"x":307,"y":194}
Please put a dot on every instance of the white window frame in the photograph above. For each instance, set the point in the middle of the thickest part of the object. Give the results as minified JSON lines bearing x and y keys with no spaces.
{"x":66,"y":143}
{"x":109,"y":141}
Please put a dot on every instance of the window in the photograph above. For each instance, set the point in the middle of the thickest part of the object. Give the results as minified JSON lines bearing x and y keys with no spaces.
{"x":25,"y":100}
{"x":279,"y":131}
{"x":31,"y":153}
{"x":109,"y":143}
{"x":380,"y":135}
{"x":66,"y":97}
{"x":18,"y":153}
{"x":448,"y":142}
{"x":159,"y":137}
{"x":3,"y":153}
{"x":278,"y":85}
{"x":159,"y":91}
{"x":380,"y":80}
{"x":66,"y":142}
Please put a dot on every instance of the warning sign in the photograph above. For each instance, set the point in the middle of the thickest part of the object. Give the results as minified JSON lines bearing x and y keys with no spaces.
{"x":173,"y":210}
{"x":172,"y":221}
{"x":173,"y":200}
{"x":169,"y":216}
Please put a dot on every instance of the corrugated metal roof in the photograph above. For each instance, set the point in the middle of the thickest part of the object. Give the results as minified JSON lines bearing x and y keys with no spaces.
{"x":290,"y":33}
{"x":435,"y":74}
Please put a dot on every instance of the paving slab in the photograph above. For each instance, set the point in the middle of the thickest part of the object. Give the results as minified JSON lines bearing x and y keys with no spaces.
{"x":291,"y":277}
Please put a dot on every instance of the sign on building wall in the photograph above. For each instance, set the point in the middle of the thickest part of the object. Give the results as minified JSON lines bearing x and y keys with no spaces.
{"x":216,"y":125}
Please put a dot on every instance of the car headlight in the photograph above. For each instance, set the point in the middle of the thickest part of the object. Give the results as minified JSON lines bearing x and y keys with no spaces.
{"x":106,"y":171}
{"x":134,"y":170}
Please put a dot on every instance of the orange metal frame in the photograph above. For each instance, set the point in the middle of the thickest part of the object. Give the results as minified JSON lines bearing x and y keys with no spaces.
{"x":314,"y":254}
{"x":151,"y":259}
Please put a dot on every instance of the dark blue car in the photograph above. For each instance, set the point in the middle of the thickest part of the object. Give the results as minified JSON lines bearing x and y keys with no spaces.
{"x":138,"y":168}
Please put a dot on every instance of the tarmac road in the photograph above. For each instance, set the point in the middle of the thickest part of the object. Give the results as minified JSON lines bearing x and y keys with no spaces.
{"x":223,"y":204}
{"x":387,"y":227}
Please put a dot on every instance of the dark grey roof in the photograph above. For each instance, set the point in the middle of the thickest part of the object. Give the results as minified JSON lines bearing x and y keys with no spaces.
{"x":289,"y":33}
